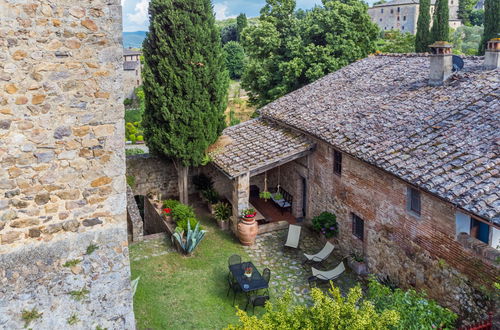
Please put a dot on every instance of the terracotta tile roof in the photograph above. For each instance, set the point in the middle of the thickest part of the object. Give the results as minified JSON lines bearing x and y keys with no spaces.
{"x":381,"y":110}
{"x":257,"y":143}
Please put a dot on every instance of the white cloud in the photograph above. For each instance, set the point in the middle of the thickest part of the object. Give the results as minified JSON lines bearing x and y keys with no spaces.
{"x":221,"y":11}
{"x":141,"y":12}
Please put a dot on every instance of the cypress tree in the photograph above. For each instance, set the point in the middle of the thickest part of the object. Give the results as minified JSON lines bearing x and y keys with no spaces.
{"x":241,"y":24}
{"x":491,"y":23}
{"x":422,"y":39}
{"x":185,"y":83}
{"x":441,"y":27}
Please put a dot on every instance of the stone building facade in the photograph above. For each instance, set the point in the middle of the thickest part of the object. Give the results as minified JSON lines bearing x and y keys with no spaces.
{"x":63,"y":231}
{"x":402,"y":15}
{"x":132,"y":73}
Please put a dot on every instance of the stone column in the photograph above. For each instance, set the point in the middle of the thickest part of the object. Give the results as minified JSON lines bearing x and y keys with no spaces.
{"x":241,"y":195}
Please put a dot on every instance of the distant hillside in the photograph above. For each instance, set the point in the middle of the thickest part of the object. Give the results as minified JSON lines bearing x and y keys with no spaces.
{"x":133,"y":39}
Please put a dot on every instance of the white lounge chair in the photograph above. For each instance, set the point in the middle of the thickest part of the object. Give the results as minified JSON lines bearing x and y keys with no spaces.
{"x":328,"y":275}
{"x":321,"y":255}
{"x":293,"y":237}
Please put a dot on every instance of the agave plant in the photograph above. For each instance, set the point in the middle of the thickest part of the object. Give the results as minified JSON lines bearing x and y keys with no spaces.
{"x":192,"y":239}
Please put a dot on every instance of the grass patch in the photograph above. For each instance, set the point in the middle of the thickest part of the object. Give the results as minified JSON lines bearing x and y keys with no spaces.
{"x":91,"y":249}
{"x":30,"y":316}
{"x":79,"y":295}
{"x":73,"y":319}
{"x":71,"y":263}
{"x":176,"y":292}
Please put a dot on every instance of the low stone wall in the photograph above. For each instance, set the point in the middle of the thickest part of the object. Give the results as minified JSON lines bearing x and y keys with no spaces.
{"x":273,"y":226}
{"x":153,"y":223}
{"x":135,"y":223}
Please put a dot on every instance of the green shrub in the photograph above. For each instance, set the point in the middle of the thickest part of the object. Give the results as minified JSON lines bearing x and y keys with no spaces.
{"x":132,"y":116}
{"x":29,"y":316}
{"x":132,"y":138}
{"x":202,"y":182}
{"x":326,"y":223}
{"x":182,"y":212}
{"x":170,"y":204}
{"x":183,"y":224}
{"x":222,"y":211}
{"x":127,"y":102}
{"x":211,"y":195}
{"x":131,"y":180}
{"x":134,"y":151}
{"x":415,"y":310}
{"x":140,"y":138}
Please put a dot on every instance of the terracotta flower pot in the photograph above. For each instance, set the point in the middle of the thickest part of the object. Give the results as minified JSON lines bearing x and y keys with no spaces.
{"x":247,"y":231}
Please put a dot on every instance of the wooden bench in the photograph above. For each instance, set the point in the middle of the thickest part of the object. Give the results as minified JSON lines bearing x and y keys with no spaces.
{"x":285,"y":203}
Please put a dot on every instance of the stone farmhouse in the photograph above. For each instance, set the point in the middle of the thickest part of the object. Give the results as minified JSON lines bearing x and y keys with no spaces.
{"x":132,"y":75}
{"x":402,"y":15}
{"x":63,"y":229}
{"x":403,"y":151}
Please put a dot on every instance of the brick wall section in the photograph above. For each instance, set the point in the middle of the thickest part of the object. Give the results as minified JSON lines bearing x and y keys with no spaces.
{"x":62,"y":179}
{"x":421,"y":252}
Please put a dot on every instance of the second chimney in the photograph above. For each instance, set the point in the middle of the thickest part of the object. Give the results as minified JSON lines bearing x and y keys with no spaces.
{"x":492,"y":54}
{"x":441,"y":63}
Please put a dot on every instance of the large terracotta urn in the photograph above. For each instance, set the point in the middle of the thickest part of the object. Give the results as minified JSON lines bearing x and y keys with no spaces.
{"x":247,"y":230}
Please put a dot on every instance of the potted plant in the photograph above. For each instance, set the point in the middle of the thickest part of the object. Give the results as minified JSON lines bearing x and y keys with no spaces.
{"x":278,"y":196}
{"x":247,"y":227}
{"x":212,"y":198}
{"x":222,"y":212}
{"x":265,"y":195}
{"x":357,"y":263}
{"x":167,"y":214}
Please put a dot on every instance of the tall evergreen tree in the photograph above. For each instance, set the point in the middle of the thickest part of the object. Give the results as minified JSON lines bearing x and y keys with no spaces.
{"x":241,"y":24}
{"x":423,"y":37}
{"x":185,"y":83}
{"x":491,"y":23}
{"x":440,"y":25}
{"x":465,"y":8}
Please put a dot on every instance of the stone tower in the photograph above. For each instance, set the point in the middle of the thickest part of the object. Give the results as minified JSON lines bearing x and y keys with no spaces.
{"x":63,"y":232}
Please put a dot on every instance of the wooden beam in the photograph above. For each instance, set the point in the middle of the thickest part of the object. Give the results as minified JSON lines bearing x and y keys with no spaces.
{"x":262,"y":169}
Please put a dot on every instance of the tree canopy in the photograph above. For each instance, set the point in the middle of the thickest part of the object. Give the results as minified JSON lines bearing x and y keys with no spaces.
{"x":287,"y":51}
{"x":185,"y":80}
{"x":235,"y":59}
{"x":241,"y":24}
{"x":395,"y":41}
{"x":440,"y":25}
{"x":491,"y":23}
{"x":423,"y":36}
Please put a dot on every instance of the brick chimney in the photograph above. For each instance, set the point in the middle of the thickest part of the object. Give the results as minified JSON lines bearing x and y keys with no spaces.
{"x":441,"y":63}
{"x":492,"y":54}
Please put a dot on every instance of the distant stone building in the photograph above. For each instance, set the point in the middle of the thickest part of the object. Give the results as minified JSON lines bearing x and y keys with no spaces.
{"x":132,"y":75}
{"x":63,"y":226}
{"x":402,"y":15}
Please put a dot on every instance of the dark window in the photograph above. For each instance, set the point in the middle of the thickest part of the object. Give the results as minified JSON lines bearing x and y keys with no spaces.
{"x":413,"y":200}
{"x":358,"y":226}
{"x":404,"y":18}
{"x":398,"y":18}
{"x":399,"y":9}
{"x":403,"y":27}
{"x":337,"y":162}
{"x":381,"y":20}
{"x":382,"y":10}
{"x":392,"y":11}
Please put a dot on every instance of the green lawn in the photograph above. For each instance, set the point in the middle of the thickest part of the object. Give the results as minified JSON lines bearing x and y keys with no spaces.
{"x":176,"y":292}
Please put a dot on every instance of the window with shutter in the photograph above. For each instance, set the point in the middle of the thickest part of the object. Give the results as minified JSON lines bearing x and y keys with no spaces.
{"x":413,"y":201}
{"x":358,"y":226}
{"x":337,"y":162}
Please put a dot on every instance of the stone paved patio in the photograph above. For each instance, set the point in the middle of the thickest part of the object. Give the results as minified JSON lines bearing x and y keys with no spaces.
{"x":286,"y":267}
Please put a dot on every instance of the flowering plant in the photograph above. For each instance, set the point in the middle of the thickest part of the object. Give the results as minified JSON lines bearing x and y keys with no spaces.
{"x":326,"y":223}
{"x":248,"y":271}
{"x":167,"y":211}
{"x":249,"y":213}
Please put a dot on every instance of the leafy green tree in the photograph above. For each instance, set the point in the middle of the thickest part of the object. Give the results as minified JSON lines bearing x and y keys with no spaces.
{"x":286,"y":52}
{"x":241,"y":24}
{"x":440,"y":26}
{"x":395,"y":41}
{"x":477,"y":17}
{"x":185,"y":83}
{"x":466,"y":39}
{"x":235,"y":59}
{"x":229,"y":33}
{"x":328,"y":312}
{"x":465,"y":8}
{"x":423,"y":36}
{"x":491,"y":23}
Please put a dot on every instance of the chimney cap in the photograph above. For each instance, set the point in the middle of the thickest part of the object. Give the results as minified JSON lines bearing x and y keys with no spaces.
{"x":493,"y":45}
{"x":441,"y":48}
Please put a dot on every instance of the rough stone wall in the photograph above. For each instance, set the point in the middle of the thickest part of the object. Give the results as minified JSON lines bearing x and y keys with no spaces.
{"x":421,"y":252}
{"x":131,"y":80}
{"x":62,"y":179}
{"x":135,"y":223}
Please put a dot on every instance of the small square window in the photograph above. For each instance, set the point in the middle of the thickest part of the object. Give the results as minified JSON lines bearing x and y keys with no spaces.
{"x":413,"y":202}
{"x":358,"y":226}
{"x":382,"y":10}
{"x":337,"y":162}
{"x":392,"y":11}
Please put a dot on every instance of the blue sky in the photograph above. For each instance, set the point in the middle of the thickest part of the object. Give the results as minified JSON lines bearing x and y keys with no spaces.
{"x":135,"y":12}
